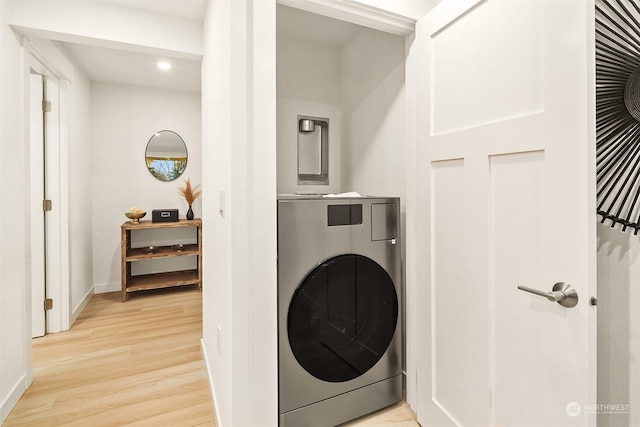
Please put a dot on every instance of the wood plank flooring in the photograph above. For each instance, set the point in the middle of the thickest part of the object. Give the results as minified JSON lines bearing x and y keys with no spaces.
{"x":399,"y":415}
{"x":136,"y":364}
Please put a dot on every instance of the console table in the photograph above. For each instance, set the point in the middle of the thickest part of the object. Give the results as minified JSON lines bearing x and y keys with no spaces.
{"x":159,"y":280}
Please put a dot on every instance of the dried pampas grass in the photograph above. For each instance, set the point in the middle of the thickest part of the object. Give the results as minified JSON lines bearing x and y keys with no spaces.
{"x":190,"y":193}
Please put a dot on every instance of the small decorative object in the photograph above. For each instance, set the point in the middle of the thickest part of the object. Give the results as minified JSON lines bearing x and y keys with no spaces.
{"x":179,"y":247}
{"x":190,"y":195}
{"x":149,"y":249}
{"x":164,"y":215}
{"x":135,"y":214}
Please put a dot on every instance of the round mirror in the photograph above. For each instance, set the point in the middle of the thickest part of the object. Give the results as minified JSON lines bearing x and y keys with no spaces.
{"x":166,"y":155}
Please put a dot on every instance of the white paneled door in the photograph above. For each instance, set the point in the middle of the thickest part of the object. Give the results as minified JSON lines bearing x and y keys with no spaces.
{"x":506,"y":179}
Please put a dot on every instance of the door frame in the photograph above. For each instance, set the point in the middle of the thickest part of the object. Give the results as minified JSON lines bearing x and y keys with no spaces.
{"x":41,"y":56}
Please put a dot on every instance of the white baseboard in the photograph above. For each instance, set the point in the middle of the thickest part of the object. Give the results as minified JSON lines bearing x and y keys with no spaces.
{"x":103,"y":288}
{"x":12,"y":398}
{"x":80,"y":308}
{"x":212,"y":389}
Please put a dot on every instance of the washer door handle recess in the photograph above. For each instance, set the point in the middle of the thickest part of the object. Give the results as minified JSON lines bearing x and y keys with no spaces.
{"x":562,"y":293}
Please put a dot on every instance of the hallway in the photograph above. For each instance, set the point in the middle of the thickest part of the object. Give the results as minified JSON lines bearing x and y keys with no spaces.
{"x":136,"y":363}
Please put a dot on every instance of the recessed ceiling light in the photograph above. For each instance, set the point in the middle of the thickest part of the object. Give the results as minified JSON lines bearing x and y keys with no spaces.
{"x":164,"y":65}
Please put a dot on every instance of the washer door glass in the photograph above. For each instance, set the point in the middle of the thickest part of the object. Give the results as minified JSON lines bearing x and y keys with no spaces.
{"x":342,"y":318}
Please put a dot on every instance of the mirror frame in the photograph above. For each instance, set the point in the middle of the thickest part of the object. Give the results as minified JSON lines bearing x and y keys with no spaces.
{"x":171,"y":172}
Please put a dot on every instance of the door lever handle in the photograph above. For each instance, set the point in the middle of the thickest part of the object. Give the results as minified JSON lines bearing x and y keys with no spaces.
{"x":553,"y":296}
{"x":562,"y":293}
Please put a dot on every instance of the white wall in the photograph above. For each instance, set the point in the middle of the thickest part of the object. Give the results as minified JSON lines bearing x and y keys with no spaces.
{"x":308,"y":76}
{"x":618,"y":324}
{"x":15,"y":351}
{"x":123,"y":118}
{"x":372,"y":88}
{"x":217,"y":279}
{"x":239,"y":291}
{"x":307,"y":71}
{"x":79,"y":192}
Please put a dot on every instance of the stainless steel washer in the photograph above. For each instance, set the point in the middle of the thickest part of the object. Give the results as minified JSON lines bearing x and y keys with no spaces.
{"x":340,"y":343}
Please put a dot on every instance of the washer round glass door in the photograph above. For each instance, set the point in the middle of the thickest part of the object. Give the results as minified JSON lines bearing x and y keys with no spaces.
{"x":342,"y":318}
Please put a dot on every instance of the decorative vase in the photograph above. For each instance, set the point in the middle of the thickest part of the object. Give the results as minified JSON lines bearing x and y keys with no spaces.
{"x":190,"y":213}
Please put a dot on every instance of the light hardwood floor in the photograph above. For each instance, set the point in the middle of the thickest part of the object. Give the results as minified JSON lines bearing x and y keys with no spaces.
{"x":137,"y":364}
{"x":399,"y":415}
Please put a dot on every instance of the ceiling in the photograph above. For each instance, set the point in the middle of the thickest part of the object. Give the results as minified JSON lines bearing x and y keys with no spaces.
{"x":134,"y":68}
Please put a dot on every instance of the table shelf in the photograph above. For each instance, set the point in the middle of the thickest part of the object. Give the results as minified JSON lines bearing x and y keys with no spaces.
{"x":134,"y":283}
{"x":138,"y":254}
